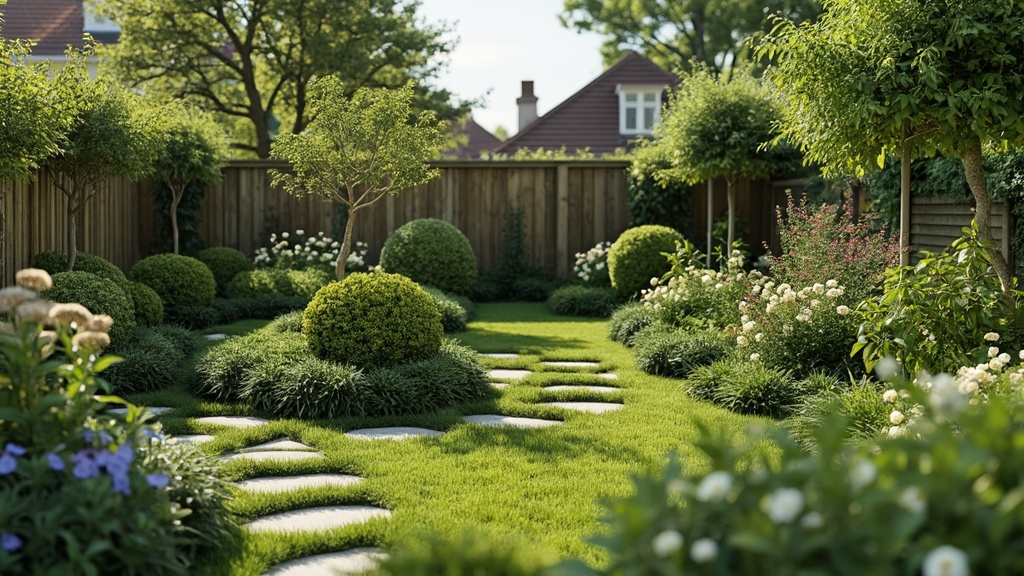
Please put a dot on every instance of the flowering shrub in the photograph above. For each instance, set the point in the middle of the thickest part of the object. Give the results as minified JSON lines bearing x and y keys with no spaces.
{"x":591,"y":267}
{"x":84,"y":491}
{"x":945,"y":502}
{"x":825,"y":242}
{"x":934,"y":315}
{"x":691,"y":294}
{"x":295,"y":251}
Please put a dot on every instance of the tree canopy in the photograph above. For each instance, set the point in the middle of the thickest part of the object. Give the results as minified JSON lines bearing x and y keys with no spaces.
{"x":252,"y":61}
{"x":672,"y":33}
{"x":358,"y":149}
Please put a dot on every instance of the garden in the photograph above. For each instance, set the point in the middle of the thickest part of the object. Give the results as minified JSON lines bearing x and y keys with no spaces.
{"x":839,"y":406}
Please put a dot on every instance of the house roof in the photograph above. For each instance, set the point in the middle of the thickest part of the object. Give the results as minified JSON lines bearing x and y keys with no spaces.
{"x":589,"y":118}
{"x":478,"y":139}
{"x":52,"y":24}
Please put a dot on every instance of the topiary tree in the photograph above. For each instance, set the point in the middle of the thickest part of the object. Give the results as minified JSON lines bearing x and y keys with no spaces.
{"x":717,"y":128}
{"x":637,"y":256}
{"x":149,"y":308}
{"x":358,"y":149}
{"x":192,"y":148}
{"x":108,"y":136}
{"x":920,"y":77}
{"x":179,"y":280}
{"x":431,"y":252}
{"x":374,"y":319}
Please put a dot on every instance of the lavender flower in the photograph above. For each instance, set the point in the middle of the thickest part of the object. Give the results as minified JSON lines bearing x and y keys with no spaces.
{"x":158,"y":480}
{"x":8,"y":464}
{"x":85,"y":464}
{"x":14,"y":449}
{"x":55,"y":461}
{"x":9,"y":542}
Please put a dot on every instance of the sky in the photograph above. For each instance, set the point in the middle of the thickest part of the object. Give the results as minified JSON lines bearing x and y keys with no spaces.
{"x":503,"y":42}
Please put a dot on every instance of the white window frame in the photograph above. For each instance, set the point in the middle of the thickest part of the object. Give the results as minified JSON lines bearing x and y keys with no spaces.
{"x":93,"y":22}
{"x":640,"y":90}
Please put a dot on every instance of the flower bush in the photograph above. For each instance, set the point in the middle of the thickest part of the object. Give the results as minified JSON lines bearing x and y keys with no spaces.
{"x":296,"y":251}
{"x":82,"y":490}
{"x":693,"y":295}
{"x":591,"y":267}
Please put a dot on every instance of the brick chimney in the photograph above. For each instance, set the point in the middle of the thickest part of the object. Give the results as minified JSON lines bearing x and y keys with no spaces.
{"x":527,"y":105}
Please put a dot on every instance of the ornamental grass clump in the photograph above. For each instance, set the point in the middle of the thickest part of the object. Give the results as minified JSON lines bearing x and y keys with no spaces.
{"x":666,"y":351}
{"x":75,"y":477}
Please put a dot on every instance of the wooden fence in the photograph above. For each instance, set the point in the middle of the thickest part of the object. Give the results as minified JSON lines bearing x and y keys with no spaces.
{"x":936,"y":221}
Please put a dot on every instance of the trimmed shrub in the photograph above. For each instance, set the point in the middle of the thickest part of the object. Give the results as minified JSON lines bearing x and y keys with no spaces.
{"x":453,"y":316}
{"x":756,"y":389}
{"x":431,"y":252}
{"x":262,"y":281}
{"x":373,"y":319}
{"x":637,"y":256}
{"x":306,"y":283}
{"x":534,"y":288}
{"x":149,"y":308}
{"x":583,"y":301}
{"x":151,"y":362}
{"x":100,"y":296}
{"x":179,"y":280}
{"x":290,"y":322}
{"x":182,"y":339}
{"x":224,"y":263}
{"x":676,"y":353}
{"x":628,"y":320}
{"x":56,"y":262}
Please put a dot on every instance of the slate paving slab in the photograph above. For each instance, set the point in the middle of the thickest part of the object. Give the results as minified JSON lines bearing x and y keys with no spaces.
{"x":215,"y":336}
{"x":273,"y":456}
{"x":499,"y":385}
{"x":591,"y":407}
{"x":349,"y":562}
{"x":279,"y":444}
{"x":233,"y":421}
{"x":500,"y":355}
{"x":573,"y":364}
{"x":391,"y":433}
{"x":596,"y":389}
{"x":518,"y":422}
{"x":609,"y":375}
{"x":312,"y":519}
{"x":194,"y":438}
{"x":288,"y":483}
{"x":503,"y":374}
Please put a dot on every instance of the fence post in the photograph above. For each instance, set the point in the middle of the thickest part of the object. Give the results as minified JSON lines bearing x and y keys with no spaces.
{"x":562,"y":219}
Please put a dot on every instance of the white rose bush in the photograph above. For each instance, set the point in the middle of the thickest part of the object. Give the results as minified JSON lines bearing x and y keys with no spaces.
{"x":299,"y":251}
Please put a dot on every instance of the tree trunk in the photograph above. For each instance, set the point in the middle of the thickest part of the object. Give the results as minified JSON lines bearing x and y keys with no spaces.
{"x":731,"y":235}
{"x":176,"y":195}
{"x":346,"y":245}
{"x":711,"y":217}
{"x":699,"y":52}
{"x":975,"y":172}
{"x":906,"y":156}
{"x":72,"y":233}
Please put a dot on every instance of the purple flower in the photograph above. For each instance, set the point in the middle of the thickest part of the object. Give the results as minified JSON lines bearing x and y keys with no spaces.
{"x":8,"y":464}
{"x":121,"y":484}
{"x":88,"y":434}
{"x":14,"y":449}
{"x":105,"y":438}
{"x":9,"y":542}
{"x":85,"y":465}
{"x":55,"y":461}
{"x":157,"y":480}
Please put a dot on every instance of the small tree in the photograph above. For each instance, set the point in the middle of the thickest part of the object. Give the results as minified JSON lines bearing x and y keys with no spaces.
{"x":714,"y":128}
{"x":192,"y":147}
{"x":356,"y":150}
{"x":108,"y":137}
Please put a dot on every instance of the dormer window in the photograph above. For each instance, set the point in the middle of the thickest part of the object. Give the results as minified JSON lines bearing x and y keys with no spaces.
{"x":96,"y":23}
{"x":639,"y":109}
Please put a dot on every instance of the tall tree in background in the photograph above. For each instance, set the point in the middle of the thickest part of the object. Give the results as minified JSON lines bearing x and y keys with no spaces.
{"x":253,"y":60}
{"x":916,"y":77}
{"x":671,"y":33}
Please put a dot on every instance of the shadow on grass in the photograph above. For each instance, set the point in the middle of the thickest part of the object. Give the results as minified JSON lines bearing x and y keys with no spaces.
{"x":487,"y":340}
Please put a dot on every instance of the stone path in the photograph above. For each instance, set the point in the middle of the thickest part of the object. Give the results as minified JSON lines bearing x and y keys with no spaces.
{"x":362,"y":560}
{"x":215,"y":336}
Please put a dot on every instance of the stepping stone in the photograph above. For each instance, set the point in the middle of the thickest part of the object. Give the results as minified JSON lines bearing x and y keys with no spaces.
{"x":500,"y":356}
{"x":508,"y":374}
{"x":273,"y":456}
{"x":597,"y":389}
{"x":233,"y":421}
{"x":311,"y":519}
{"x":193,"y":438}
{"x":499,"y":385}
{"x":354,"y":561}
{"x":288,"y":483}
{"x":215,"y":336}
{"x":499,"y":420}
{"x":158,"y":410}
{"x":609,"y":375}
{"x":591,"y":407}
{"x":573,"y":364}
{"x":390,"y":433}
{"x":282,"y":444}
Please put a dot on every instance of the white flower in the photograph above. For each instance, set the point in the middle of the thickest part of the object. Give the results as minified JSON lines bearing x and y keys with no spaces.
{"x":284,"y":235}
{"x":704,"y":550}
{"x":863,"y":473}
{"x":741,"y":340}
{"x":993,"y":351}
{"x":896,"y":431}
{"x":834,"y":293}
{"x":299,"y":232}
{"x":654,"y":281}
{"x":667,"y":542}
{"x":896,"y":418}
{"x":912,"y":500}
{"x":991,"y":337}
{"x":945,"y":394}
{"x":889,"y":396}
{"x":812,"y":521}
{"x":755,"y":357}
{"x":831,"y":284}
{"x":747,"y":327}
{"x":842,"y":310}
{"x":714,"y":486}
{"x":887,"y":368}
{"x":783,"y":505}
{"x":818,"y":288}
{"x":945,"y":561}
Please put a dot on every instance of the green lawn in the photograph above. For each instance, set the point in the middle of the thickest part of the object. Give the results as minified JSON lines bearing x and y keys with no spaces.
{"x":541,"y":485}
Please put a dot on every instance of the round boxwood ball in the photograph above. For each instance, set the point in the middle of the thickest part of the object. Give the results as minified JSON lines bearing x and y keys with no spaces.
{"x":636,"y":257}
{"x":431,"y":252}
{"x":99,"y":295}
{"x":55,"y":262}
{"x":179,"y":280}
{"x":224,"y":262}
{"x":149,"y":309}
{"x":373,"y":319}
